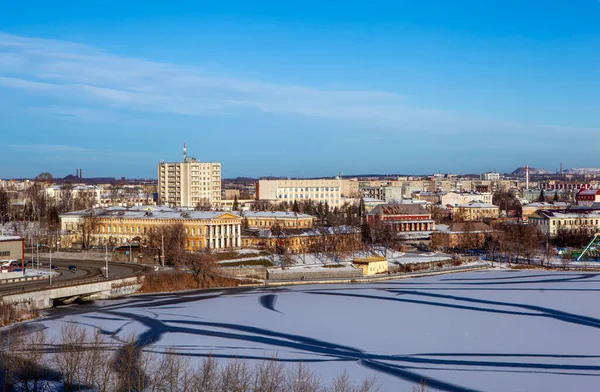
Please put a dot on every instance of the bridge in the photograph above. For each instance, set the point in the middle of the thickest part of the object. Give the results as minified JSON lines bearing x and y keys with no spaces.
{"x":86,"y":282}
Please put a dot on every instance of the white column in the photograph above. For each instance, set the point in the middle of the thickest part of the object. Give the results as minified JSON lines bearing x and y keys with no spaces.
{"x":223,"y":236}
{"x":239,"y":236}
{"x":210,"y":236}
{"x":229,"y":232}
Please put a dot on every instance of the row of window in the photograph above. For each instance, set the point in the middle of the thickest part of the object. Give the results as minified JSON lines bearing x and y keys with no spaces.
{"x":4,"y":252}
{"x":284,"y":223}
{"x":314,"y":189}
{"x":574,"y":222}
{"x":310,"y":197}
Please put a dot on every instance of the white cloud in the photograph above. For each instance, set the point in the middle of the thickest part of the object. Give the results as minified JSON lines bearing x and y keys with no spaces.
{"x":83,"y":76}
{"x":82,"y":72}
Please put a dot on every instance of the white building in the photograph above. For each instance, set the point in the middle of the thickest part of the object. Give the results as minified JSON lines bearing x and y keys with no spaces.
{"x":491,"y":176}
{"x":326,"y":191}
{"x":454,"y":199}
{"x":189,"y":183}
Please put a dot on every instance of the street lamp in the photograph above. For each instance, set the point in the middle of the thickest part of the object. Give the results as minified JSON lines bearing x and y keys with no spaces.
{"x":106,"y":261}
{"x":50,"y":268}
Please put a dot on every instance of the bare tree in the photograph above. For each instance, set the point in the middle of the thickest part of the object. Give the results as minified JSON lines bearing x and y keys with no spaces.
{"x":301,"y":379}
{"x":173,"y":237}
{"x":69,"y":354}
{"x":203,"y":267}
{"x":269,"y":376}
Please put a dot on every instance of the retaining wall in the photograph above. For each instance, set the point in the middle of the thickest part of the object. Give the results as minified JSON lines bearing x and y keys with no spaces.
{"x":320,"y":273}
{"x":245,"y":272}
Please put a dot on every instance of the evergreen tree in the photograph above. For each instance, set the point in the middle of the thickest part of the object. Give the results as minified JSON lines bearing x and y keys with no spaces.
{"x":541,"y":198}
{"x":295,"y":206}
{"x":236,"y":205}
{"x":556,"y":197}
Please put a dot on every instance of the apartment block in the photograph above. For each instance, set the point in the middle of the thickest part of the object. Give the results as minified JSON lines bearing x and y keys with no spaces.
{"x":189,"y":183}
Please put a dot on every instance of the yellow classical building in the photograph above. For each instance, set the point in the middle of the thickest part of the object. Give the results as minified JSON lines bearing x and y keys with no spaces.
{"x":324,"y":239}
{"x":372,"y":265}
{"x":118,"y":225}
{"x":268,"y":219}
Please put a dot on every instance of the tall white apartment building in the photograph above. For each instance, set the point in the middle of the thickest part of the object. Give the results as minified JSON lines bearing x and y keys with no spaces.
{"x":329,"y":191}
{"x":189,"y":183}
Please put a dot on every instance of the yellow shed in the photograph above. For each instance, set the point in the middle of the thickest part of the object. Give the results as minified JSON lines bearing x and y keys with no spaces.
{"x":372,"y":265}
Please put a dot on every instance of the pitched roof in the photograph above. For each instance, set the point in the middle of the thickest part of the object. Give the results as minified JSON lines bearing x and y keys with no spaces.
{"x":470,"y":227}
{"x":398,"y":209}
{"x":275,"y":214}
{"x":477,"y":204}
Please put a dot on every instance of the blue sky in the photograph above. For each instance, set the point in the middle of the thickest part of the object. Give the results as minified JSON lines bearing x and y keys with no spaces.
{"x":299,"y":88}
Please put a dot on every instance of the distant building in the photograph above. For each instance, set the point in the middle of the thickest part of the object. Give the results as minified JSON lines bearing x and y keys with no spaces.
{"x":454,"y":199}
{"x":231,"y":194}
{"x":402,"y":219}
{"x":465,"y":235}
{"x":477,"y":211}
{"x":285,"y":220}
{"x":491,"y":176}
{"x":12,"y":248}
{"x":552,"y":223}
{"x":326,"y":191}
{"x":587,"y":197}
{"x":531,"y":208}
{"x":189,"y":183}
{"x":290,"y":240}
{"x":61,"y":191}
{"x":119,"y":225}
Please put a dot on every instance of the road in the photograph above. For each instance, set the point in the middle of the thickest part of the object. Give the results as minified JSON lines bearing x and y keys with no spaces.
{"x":86,"y":269}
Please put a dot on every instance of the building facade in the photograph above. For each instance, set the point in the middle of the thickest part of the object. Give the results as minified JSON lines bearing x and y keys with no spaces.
{"x":268,"y":219}
{"x":372,"y":265}
{"x":326,"y":191}
{"x":456,"y":198}
{"x":119,"y":226}
{"x":552,"y":223}
{"x":465,"y":235}
{"x":531,"y":208}
{"x":401,"y":218}
{"x":476,"y":211}
{"x":587,"y":197}
{"x":189,"y":183}
{"x":12,"y":248}
{"x":338,"y":240}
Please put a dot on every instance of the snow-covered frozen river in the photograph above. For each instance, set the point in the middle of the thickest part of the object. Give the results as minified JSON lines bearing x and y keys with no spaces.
{"x":492,"y":330}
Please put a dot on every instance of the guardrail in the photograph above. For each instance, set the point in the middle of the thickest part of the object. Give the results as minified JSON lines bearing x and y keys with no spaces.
{"x":70,"y":283}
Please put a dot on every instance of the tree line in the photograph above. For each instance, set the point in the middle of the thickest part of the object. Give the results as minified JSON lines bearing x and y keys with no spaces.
{"x":78,"y":360}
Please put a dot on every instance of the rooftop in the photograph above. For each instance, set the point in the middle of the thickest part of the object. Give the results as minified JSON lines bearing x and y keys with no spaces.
{"x":9,"y":238}
{"x":582,"y":213}
{"x":275,"y":214}
{"x":477,"y":204}
{"x":399,"y":209}
{"x":149,"y":212}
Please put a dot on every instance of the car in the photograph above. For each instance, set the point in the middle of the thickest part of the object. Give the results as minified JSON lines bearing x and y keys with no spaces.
{"x":55,"y":267}
{"x":72,"y":268}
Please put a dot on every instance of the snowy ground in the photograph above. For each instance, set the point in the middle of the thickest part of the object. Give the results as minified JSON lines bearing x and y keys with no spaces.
{"x":492,"y":330}
{"x":311,"y":259}
{"x":35,"y":272}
